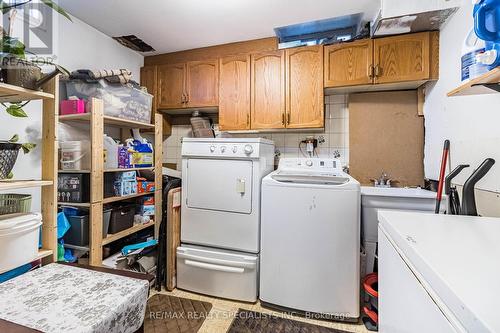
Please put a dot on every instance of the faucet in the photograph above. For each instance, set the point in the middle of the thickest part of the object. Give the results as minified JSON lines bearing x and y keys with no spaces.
{"x":383,"y":180}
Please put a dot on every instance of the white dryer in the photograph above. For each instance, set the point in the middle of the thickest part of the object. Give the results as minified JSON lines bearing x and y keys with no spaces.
{"x":220,"y":215}
{"x":310,"y":239}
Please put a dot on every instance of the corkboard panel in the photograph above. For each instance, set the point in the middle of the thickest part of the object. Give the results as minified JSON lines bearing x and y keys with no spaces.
{"x":386,"y":135}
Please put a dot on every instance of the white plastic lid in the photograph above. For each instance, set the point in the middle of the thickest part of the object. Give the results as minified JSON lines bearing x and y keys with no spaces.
{"x":14,"y":220}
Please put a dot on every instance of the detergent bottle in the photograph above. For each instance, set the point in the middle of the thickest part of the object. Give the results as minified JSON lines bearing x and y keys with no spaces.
{"x":487,"y":27}
{"x":111,"y":152}
{"x":472,"y":47}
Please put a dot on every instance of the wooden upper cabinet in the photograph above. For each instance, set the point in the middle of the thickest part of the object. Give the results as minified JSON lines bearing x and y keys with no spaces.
{"x":304,"y":87}
{"x":405,"y":57}
{"x":268,"y":90}
{"x":202,"y":86}
{"x":234,"y":93}
{"x":349,"y":64}
{"x":171,"y":86}
{"x":149,"y":79}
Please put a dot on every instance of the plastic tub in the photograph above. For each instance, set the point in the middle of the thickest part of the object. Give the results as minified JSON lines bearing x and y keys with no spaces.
{"x":75,"y":155}
{"x":19,"y":237}
{"x":122,"y":101}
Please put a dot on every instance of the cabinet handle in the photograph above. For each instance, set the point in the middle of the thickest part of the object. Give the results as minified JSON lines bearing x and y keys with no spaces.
{"x":187,"y":98}
{"x":288,"y":119}
{"x":248,"y":119}
{"x":283,"y":119}
{"x":371,"y":70}
{"x":378,"y":71}
{"x":183,"y":99}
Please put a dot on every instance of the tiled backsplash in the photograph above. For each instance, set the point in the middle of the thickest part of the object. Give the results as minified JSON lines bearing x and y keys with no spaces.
{"x":335,"y":136}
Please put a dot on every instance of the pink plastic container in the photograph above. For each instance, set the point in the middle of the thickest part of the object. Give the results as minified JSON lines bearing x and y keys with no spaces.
{"x":70,"y":106}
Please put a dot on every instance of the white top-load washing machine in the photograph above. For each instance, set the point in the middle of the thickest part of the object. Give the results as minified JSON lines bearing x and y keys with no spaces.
{"x":310,"y":235}
{"x":220,"y":215}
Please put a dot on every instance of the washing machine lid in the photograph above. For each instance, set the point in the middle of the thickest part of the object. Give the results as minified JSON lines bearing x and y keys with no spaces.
{"x":310,"y":178}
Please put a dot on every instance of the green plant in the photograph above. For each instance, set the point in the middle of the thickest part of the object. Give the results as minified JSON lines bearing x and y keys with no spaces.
{"x":11,"y":47}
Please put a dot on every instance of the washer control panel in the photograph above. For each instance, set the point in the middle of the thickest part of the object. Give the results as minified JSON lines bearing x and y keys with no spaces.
{"x":320,"y":164}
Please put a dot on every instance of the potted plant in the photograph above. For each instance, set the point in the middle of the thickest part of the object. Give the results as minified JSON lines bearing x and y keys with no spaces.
{"x":8,"y":155}
{"x":15,"y":68}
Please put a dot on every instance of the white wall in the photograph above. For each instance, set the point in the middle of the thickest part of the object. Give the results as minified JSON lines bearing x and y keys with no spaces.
{"x":471,"y":123}
{"x":78,"y":46}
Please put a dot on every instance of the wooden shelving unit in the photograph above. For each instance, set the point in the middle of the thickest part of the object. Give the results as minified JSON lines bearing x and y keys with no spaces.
{"x":119,"y":235}
{"x":17,"y":184}
{"x":97,"y":121}
{"x":48,"y":184}
{"x":13,"y":94}
{"x":488,"y":83}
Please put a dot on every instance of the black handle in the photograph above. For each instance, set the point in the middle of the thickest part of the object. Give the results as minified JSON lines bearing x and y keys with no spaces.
{"x":451,"y":175}
{"x":468,"y":196}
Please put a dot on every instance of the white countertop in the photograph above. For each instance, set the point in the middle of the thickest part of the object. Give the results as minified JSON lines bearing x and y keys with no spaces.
{"x":398,"y":192}
{"x":457,"y":256}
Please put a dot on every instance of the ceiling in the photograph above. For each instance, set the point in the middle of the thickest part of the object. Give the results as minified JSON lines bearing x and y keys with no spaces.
{"x":174,"y":25}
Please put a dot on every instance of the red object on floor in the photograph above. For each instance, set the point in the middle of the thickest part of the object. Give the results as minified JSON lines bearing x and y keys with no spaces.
{"x":369,"y":281}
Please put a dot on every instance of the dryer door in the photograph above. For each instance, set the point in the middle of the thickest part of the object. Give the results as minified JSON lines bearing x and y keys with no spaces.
{"x":223,"y":185}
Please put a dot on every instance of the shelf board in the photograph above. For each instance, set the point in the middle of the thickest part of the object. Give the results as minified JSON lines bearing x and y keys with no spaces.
{"x":74,"y":204}
{"x":12,"y":94}
{"x":108,"y":120}
{"x":108,"y":170}
{"x":15,"y":184}
{"x":42,"y":253}
{"x":129,"y":169}
{"x":114,"y":199}
{"x":113,"y":237}
{"x":476,"y":86}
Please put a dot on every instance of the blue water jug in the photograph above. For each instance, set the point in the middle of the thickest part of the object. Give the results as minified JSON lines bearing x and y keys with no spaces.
{"x":487,"y":27}
{"x":487,"y":20}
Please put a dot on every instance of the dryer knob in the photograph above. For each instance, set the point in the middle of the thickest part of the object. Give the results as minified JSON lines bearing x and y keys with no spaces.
{"x":212,"y":149}
{"x":309,"y":163}
{"x":248,"y":149}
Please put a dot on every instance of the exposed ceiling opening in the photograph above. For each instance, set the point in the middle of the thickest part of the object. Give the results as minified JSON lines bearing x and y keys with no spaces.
{"x":174,"y":25}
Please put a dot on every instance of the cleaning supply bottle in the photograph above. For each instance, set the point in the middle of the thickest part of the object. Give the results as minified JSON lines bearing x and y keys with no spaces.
{"x":487,"y":27}
{"x":111,"y":153}
{"x":472,"y":47}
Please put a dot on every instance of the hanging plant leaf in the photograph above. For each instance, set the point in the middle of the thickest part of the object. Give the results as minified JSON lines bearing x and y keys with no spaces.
{"x":14,"y":139}
{"x":5,"y":7}
{"x":27,"y":147}
{"x":12,"y":46}
{"x":16,"y":110}
{"x":58,"y":9}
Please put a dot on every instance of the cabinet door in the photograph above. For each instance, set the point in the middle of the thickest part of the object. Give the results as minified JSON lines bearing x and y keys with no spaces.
{"x":149,"y":80}
{"x":402,"y":58}
{"x":268,"y":90}
{"x":349,"y":64}
{"x":234,"y":93}
{"x":202,"y":87}
{"x":304,"y":87}
{"x":171,"y":83}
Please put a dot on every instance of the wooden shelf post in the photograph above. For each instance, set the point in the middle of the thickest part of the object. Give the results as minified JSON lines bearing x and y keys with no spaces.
{"x":158,"y":162}
{"x":96,"y":181}
{"x":49,"y":167}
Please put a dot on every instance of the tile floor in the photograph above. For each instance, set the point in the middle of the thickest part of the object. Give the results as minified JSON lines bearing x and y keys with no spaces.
{"x":222,"y":313}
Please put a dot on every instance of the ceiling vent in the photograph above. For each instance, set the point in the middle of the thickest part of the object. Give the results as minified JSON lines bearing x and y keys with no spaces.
{"x":135,"y":43}
{"x":328,"y":31}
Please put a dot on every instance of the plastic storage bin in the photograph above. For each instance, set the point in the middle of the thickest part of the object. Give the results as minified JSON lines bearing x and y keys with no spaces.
{"x":73,"y":187}
{"x":74,"y":155}
{"x":122,"y":218}
{"x":11,"y":203}
{"x":78,"y":233}
{"x":19,"y":237}
{"x":122,"y":101}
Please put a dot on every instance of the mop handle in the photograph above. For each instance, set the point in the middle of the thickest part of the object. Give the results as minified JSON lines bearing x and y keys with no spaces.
{"x":444,"y":159}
